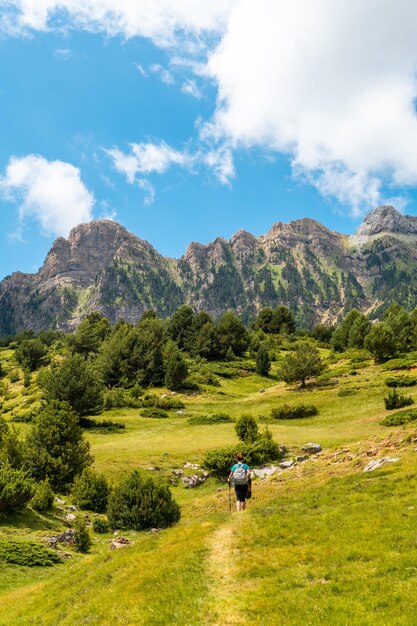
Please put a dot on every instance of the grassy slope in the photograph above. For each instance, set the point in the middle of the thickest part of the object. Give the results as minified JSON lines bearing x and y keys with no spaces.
{"x":323,"y":543}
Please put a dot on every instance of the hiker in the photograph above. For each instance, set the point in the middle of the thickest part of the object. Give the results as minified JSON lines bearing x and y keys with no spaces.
{"x":240,"y":476}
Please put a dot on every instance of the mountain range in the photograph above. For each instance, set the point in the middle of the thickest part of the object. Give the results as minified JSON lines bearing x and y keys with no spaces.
{"x":318,"y":273}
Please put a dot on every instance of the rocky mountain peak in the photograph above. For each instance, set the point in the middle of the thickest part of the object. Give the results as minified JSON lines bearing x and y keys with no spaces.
{"x":387,"y":219}
{"x":88,"y":249}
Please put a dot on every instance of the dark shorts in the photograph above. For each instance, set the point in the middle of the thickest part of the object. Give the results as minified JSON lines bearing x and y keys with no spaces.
{"x":241,"y":492}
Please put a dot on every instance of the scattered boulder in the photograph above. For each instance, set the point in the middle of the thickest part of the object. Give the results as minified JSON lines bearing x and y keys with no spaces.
{"x":375,"y":463}
{"x":178,"y":472}
{"x":312,"y":448}
{"x":59,"y":501}
{"x":66,"y":537}
{"x":180,"y":412}
{"x":120,"y":542}
{"x":72,"y":507}
{"x":286,"y":464}
{"x":70,"y":517}
{"x":264,"y":472}
{"x":261,"y":390}
{"x":192,"y":465}
{"x":300,"y":459}
{"x":195,"y":480}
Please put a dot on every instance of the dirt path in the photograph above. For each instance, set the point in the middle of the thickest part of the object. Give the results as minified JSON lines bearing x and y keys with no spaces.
{"x":224,"y":597}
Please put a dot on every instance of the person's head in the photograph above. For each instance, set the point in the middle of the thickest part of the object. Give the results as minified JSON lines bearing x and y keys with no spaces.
{"x":240,"y":457}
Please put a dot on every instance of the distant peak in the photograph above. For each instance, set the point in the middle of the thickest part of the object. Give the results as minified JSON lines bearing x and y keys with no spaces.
{"x":387,"y":218}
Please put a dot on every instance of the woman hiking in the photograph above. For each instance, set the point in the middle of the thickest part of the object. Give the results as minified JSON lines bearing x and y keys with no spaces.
{"x":240,"y":476}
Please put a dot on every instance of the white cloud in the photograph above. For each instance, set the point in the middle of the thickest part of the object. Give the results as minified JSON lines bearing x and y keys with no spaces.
{"x":149,"y":190}
{"x":52,"y":192}
{"x":221,"y":162}
{"x":147,"y":158}
{"x":159,"y":20}
{"x":141,"y":70}
{"x":190,"y":87}
{"x":331,"y":84}
{"x":164,"y":74}
{"x":63,"y":53}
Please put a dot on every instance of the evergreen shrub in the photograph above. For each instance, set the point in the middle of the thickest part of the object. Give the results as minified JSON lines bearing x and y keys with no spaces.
{"x":158,"y":413}
{"x":401,"y":381}
{"x":16,"y":488}
{"x":217,"y":418}
{"x":298,"y":411}
{"x":43,"y":498}
{"x":27,"y":553}
{"x":395,"y":400}
{"x":400,"y":417}
{"x":101,"y":526}
{"x":82,"y":539}
{"x":141,"y":502}
{"x":91,"y":491}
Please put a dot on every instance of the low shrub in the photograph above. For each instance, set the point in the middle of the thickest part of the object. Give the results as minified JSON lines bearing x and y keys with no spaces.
{"x":298,"y":411}
{"x":402,"y":363}
{"x":114,"y":399}
{"x":101,"y":526}
{"x":91,"y":491}
{"x":103,"y":425}
{"x":159,"y":413}
{"x":141,"y":502}
{"x":27,"y":553}
{"x":167,"y":403}
{"x":82,"y":539}
{"x":14,"y":376}
{"x":346,"y":392}
{"x":399,"y":418}
{"x":16,"y":488}
{"x":401,"y":381}
{"x":217,"y":418}
{"x":43,"y":498}
{"x":263,"y":450}
{"x":246,"y":428}
{"x":395,"y":400}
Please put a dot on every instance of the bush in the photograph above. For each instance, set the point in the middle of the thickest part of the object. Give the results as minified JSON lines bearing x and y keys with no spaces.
{"x":55,"y":446}
{"x":101,"y":526}
{"x":399,"y":418}
{"x":27,"y":553}
{"x":114,"y":399}
{"x":159,"y":413}
{"x":150,"y":400}
{"x":298,"y":411}
{"x":246,"y":428}
{"x":82,"y":539}
{"x":14,"y":376}
{"x":395,"y":400}
{"x":91,"y":491}
{"x":404,"y":363}
{"x":16,"y":488}
{"x":140,"y":502}
{"x":263,"y":450}
{"x":346,"y":392}
{"x":43,"y":498}
{"x":217,"y":418}
{"x":401,"y":381}
{"x":102,"y":425}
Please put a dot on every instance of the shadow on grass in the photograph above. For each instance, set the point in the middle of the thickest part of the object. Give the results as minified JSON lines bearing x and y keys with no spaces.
{"x":32,"y":520}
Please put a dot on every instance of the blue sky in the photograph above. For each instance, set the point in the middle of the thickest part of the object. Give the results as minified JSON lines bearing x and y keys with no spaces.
{"x":186,"y":125}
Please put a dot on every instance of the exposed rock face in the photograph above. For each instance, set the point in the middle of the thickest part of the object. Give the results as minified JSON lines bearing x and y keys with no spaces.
{"x":387,"y":219}
{"x":318,"y":273}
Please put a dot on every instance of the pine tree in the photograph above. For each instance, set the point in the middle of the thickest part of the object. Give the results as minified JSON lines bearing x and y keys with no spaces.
{"x":263,"y":362}
{"x":303,"y":362}
{"x":176,"y":368}
{"x":55,"y":447}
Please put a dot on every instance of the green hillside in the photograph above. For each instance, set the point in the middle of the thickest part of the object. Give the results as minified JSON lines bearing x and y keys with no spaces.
{"x":321,"y":543}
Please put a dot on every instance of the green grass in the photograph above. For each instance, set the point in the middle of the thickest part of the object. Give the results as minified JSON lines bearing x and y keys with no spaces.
{"x":322,"y":543}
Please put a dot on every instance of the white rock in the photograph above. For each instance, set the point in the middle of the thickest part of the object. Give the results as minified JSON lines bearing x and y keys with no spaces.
{"x":375,"y":463}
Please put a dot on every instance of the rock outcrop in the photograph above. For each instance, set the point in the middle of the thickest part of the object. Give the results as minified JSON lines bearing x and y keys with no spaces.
{"x":318,"y":273}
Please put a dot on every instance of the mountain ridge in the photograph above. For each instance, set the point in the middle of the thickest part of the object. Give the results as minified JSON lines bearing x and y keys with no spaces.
{"x":317,"y":272}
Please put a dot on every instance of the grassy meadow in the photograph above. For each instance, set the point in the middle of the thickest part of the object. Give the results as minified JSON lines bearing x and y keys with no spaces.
{"x":320,"y":543}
